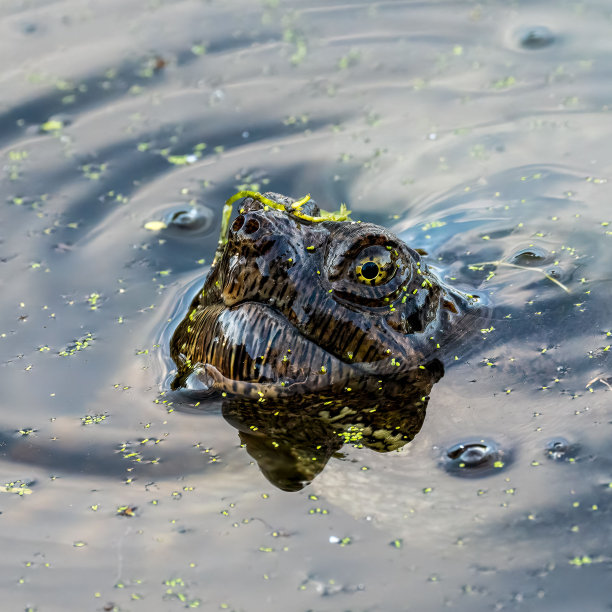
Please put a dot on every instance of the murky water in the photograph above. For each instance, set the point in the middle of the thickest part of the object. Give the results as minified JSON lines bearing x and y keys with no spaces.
{"x":477,"y":131}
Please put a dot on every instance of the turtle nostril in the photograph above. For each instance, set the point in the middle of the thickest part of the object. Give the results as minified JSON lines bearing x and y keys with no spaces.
{"x":252,"y":225}
{"x":238,"y":223}
{"x":247,"y":227}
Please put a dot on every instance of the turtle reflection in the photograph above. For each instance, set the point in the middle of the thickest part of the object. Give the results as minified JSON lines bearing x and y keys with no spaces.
{"x":293,"y":441}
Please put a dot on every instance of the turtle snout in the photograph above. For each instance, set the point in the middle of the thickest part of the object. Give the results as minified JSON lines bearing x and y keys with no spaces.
{"x":248,"y":227}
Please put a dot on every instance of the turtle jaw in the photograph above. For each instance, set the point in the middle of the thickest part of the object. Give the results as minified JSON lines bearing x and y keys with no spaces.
{"x":252,"y":350}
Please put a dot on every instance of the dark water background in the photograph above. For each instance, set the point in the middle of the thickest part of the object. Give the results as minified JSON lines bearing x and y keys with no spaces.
{"x":478,"y":131}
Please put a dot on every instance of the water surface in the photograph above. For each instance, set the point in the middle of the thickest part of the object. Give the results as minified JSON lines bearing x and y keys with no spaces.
{"x":478,"y":132}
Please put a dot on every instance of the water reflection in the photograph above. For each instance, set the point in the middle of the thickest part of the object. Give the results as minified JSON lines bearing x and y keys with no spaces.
{"x":292,"y":441}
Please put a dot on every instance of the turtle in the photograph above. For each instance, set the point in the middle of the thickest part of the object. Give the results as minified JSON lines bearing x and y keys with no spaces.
{"x":317,"y":330}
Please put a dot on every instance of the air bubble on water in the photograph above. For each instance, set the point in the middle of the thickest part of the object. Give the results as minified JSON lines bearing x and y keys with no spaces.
{"x":189,"y":219}
{"x":475,"y":458}
{"x":560,"y":449}
{"x":530,"y":256}
{"x":29,"y":28}
{"x":535,"y":37}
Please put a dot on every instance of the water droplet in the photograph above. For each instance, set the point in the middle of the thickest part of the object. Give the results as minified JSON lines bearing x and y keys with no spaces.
{"x":559,"y":449}
{"x":475,"y":458}
{"x":535,"y":37}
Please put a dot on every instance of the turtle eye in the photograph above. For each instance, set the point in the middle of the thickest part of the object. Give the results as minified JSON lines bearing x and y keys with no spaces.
{"x":369,"y":270}
{"x":374,"y":266}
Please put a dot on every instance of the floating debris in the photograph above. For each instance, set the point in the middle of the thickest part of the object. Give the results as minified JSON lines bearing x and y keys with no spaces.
{"x":155,"y":226}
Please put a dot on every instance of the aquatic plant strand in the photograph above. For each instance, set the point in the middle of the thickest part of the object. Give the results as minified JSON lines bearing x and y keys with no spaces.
{"x":507,"y":264}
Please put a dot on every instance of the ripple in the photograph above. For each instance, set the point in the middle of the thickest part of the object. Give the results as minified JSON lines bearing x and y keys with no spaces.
{"x":101,"y":134}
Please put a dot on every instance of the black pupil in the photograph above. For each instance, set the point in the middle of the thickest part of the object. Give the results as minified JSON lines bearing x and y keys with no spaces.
{"x":369,"y":270}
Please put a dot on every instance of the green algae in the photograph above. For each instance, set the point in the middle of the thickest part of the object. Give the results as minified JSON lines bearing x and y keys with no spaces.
{"x":480,"y":266}
{"x":19,"y":487}
{"x":94,"y":419}
{"x":78,"y":345}
{"x":52,"y":125}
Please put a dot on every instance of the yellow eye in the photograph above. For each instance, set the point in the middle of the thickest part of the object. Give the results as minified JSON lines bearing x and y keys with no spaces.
{"x":374,"y":266}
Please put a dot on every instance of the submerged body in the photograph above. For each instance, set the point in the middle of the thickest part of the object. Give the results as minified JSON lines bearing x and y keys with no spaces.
{"x":336,"y":321}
